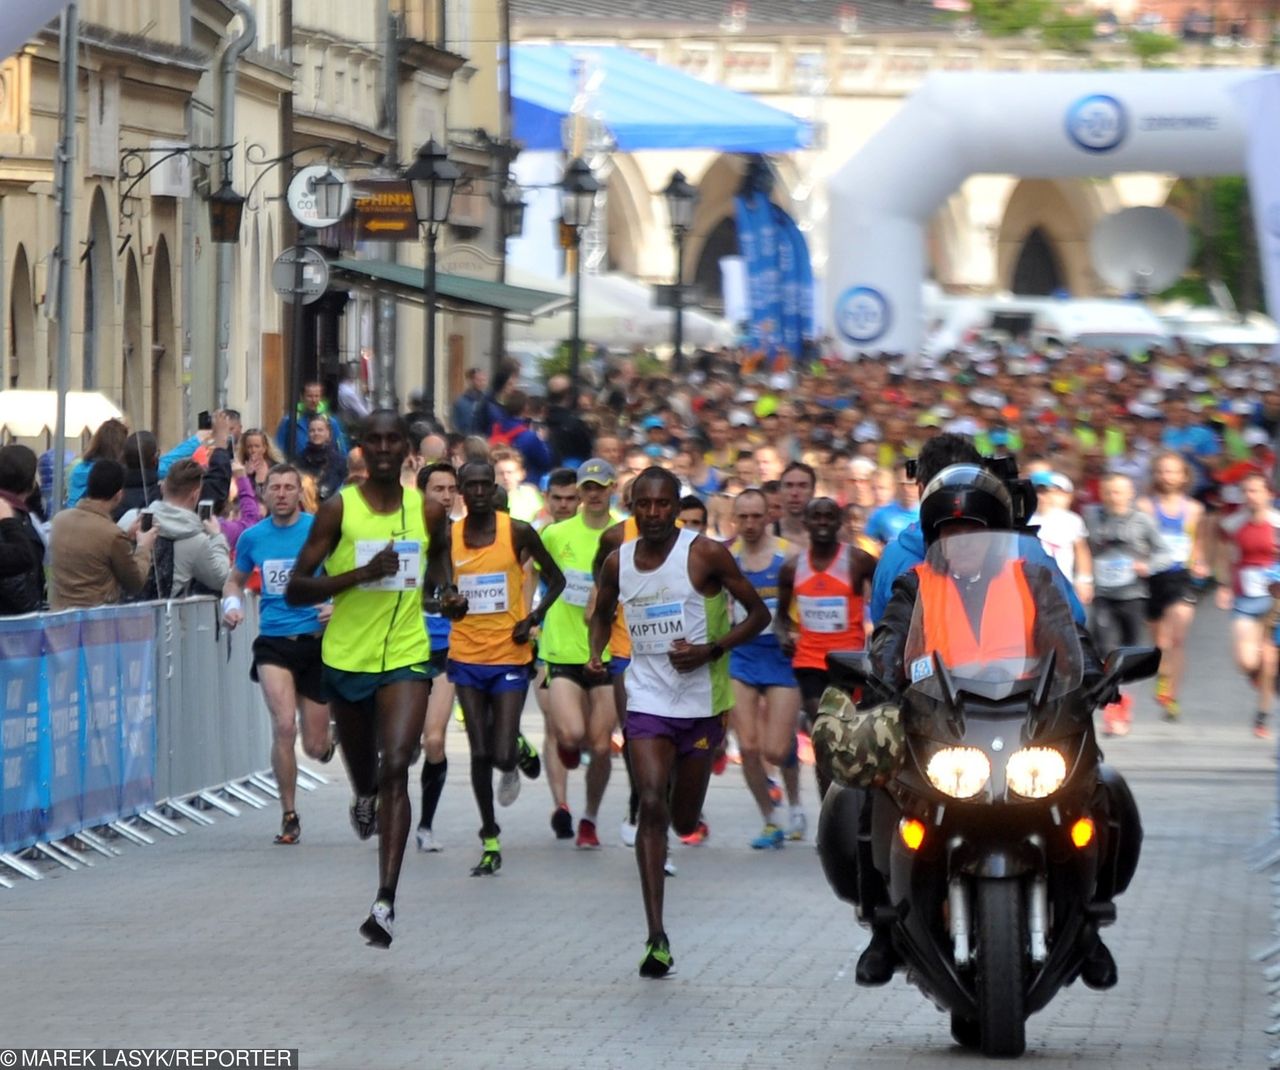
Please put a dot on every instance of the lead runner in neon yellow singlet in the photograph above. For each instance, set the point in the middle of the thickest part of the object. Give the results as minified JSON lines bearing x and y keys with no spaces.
{"x":380,"y":544}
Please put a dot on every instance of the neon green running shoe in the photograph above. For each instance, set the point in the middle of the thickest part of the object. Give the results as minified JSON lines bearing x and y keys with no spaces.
{"x":491,"y":861}
{"x":657,"y":961}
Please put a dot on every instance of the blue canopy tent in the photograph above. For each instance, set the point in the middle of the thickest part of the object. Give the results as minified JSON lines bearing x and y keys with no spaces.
{"x":644,"y":104}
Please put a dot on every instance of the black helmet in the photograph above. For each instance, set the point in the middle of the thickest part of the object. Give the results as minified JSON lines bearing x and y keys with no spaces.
{"x":964,"y":492}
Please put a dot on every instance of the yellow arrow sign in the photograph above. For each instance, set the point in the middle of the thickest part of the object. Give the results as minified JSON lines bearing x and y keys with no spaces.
{"x":386,"y":224}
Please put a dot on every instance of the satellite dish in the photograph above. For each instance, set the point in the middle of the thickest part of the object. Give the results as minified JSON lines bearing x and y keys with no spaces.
{"x":1140,"y":250}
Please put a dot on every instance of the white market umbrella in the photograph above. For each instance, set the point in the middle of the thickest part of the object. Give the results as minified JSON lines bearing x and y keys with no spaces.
{"x":30,"y":413}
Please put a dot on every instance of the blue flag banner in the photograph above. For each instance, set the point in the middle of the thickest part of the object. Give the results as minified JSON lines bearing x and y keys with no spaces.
{"x":20,"y":740}
{"x":779,"y":275}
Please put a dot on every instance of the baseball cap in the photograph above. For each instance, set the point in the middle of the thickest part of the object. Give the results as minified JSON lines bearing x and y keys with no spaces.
{"x":596,"y":470}
{"x":1056,"y":480}
{"x":650,"y":422}
{"x":740,"y":418}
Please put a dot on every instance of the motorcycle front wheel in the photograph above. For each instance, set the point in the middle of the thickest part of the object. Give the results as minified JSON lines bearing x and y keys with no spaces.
{"x":1001,"y":967}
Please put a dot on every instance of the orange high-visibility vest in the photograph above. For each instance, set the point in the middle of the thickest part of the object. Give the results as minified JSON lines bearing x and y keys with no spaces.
{"x":1004,"y":633}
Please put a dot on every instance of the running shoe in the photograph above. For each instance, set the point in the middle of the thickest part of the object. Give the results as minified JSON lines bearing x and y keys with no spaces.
{"x":490,"y":861}
{"x":669,"y":868}
{"x":458,"y":715}
{"x":570,"y":757}
{"x":698,"y":835}
{"x":376,"y":929}
{"x":772,"y":836}
{"x":528,"y":761}
{"x":327,"y":756}
{"x":587,"y":838}
{"x":616,"y":742}
{"x":775,"y":792}
{"x":627,"y":833}
{"x":804,"y":748}
{"x":719,"y":763}
{"x":1260,"y":728}
{"x":1172,"y":711}
{"x":427,"y":842}
{"x":290,"y":828}
{"x":508,"y":788}
{"x":364,"y":815}
{"x":657,"y":961}
{"x":799,"y":827}
{"x":562,"y":823}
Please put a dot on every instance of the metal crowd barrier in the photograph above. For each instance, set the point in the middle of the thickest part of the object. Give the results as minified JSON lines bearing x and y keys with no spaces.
{"x":123,"y":717}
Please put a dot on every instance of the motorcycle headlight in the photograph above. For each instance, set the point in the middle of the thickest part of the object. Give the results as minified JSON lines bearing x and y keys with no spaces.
{"x":960,"y":772}
{"x":1035,"y":772}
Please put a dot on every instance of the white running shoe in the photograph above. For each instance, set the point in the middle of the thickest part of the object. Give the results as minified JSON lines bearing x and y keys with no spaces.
{"x":628,"y":834}
{"x":669,"y":868}
{"x":799,"y":828}
{"x":428,"y":842}
{"x":376,"y":929}
{"x":509,"y":788}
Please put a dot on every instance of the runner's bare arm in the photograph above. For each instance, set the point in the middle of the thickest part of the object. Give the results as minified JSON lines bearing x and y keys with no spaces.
{"x":711,"y":562}
{"x":782,"y":619}
{"x":862,"y":570}
{"x":529,"y":542}
{"x":234,"y":588}
{"x":306,"y":589}
{"x":606,"y":608}
{"x":609,"y":541}
{"x":440,"y":562}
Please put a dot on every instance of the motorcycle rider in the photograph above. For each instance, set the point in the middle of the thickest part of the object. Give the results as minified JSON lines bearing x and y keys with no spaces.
{"x":966,"y":498}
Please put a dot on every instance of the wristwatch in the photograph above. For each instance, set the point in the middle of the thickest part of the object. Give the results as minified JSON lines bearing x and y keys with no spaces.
{"x":717,"y":651}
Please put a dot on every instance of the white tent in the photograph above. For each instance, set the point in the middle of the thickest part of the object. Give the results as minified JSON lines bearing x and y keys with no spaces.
{"x":616,"y":310}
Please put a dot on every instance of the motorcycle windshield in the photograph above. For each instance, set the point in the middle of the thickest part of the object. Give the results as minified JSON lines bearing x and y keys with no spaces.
{"x":991,"y":618}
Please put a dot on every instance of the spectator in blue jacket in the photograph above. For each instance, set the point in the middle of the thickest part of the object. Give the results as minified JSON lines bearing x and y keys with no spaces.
{"x":313,"y":403}
{"x":513,"y":428}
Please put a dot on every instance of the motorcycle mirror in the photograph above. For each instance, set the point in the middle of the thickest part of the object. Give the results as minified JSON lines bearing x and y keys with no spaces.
{"x":851,"y":669}
{"x":1127,"y":664}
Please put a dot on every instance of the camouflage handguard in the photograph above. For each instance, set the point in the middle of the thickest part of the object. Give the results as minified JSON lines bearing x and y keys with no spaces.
{"x":859,"y":749}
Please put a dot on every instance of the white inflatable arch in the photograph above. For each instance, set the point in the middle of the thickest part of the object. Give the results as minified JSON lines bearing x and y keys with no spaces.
{"x":1084,"y":124}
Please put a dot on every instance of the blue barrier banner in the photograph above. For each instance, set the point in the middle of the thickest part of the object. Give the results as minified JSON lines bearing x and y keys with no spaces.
{"x":21,"y":643}
{"x":63,"y":776}
{"x":100,"y":695}
{"x":136,"y":649}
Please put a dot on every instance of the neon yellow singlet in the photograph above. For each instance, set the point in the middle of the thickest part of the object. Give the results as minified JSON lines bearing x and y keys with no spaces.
{"x":573,"y":546}
{"x":378,"y":628}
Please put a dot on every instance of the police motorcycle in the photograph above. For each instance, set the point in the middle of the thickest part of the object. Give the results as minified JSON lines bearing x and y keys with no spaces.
{"x":992,"y":843}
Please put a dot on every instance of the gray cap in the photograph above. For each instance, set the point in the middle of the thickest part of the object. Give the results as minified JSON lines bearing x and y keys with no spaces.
{"x":596,"y":470}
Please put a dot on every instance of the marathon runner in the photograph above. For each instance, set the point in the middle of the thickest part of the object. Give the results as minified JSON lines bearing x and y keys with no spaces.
{"x":286,"y":652}
{"x":489,"y":650}
{"x":827,"y":583}
{"x":583,"y":714}
{"x":378,"y":543}
{"x":766,"y":699}
{"x":438,"y":483}
{"x":672,"y":585}
{"x":798,"y":484}
{"x":562,"y":503}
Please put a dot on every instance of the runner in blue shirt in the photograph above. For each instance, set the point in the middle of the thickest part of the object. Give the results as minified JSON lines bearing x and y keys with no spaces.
{"x":890,"y":521}
{"x":286,"y":653}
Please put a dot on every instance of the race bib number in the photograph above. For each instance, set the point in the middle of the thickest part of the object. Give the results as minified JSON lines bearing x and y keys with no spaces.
{"x":1179,"y":547}
{"x":824,"y":614}
{"x":409,"y":567}
{"x":1253,"y":582}
{"x":577,"y":587}
{"x":738,"y":612}
{"x":276,"y":576}
{"x":1114,"y":571}
{"x":485,"y":594}
{"x":654,"y":628}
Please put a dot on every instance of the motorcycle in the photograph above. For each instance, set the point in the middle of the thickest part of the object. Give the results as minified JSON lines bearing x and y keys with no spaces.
{"x":995,"y":851}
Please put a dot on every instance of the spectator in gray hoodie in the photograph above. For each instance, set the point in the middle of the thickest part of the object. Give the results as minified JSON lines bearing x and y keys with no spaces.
{"x":200,"y":558}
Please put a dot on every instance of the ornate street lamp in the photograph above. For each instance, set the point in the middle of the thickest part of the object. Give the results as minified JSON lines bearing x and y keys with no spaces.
{"x":512,"y":209}
{"x":681,"y":200}
{"x":579,"y":188}
{"x":432,"y":176}
{"x":226,"y":207}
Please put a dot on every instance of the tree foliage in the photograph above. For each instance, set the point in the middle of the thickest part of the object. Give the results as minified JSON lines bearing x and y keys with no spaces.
{"x":1224,"y":246}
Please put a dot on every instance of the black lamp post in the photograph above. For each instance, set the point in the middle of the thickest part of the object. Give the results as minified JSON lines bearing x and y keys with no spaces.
{"x":432,"y":176}
{"x":580,"y":187}
{"x":328,"y":189}
{"x":681,"y":200}
{"x":226,"y":207}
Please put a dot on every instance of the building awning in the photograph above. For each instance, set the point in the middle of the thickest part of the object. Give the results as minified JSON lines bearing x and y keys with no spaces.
{"x":643,"y":104}
{"x":457,"y":292}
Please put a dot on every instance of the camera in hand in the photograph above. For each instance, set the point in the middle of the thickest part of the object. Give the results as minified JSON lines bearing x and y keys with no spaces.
{"x":144,"y":524}
{"x":204,"y":422}
{"x":206,"y":510}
